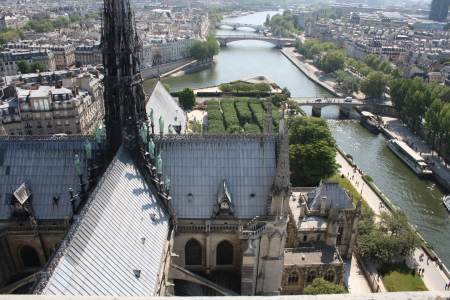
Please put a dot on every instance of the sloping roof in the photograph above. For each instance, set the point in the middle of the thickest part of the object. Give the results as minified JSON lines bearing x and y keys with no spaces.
{"x":47,"y":167}
{"x":336,"y":197}
{"x":107,"y":246}
{"x":198,"y":165}
{"x":164,"y":105}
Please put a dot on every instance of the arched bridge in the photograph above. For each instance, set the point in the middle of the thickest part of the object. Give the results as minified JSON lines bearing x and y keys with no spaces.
{"x":278,"y":42}
{"x":345,"y":106}
{"x":236,"y":26}
{"x":322,"y":102}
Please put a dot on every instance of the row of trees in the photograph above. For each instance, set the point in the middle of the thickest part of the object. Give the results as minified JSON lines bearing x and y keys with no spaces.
{"x":25,"y":67}
{"x":10,"y":35}
{"x":47,"y":25}
{"x":424,"y":106}
{"x":205,"y":50}
{"x":376,"y":72}
{"x":282,"y":25}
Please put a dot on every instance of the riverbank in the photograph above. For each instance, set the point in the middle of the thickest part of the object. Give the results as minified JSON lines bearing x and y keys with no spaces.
{"x":178,"y":68}
{"x":436,"y":275}
{"x":309,"y":70}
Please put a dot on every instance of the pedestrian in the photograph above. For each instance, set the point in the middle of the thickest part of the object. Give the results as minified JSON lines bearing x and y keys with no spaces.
{"x":428,"y":260}
{"x":423,"y":271}
{"x":446,"y":286}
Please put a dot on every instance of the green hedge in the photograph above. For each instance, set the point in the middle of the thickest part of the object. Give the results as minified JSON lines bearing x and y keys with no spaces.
{"x":258,"y":113}
{"x":239,"y":86}
{"x":252,"y":128}
{"x":215,"y":117}
{"x":243,"y":112}
{"x":230,"y":115}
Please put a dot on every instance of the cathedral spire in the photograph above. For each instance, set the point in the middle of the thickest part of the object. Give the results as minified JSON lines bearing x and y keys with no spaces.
{"x":281,"y":189}
{"x":124,"y":95}
{"x":282,"y":177}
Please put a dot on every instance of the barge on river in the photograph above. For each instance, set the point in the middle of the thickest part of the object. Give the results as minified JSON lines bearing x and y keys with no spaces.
{"x":446,"y":202}
{"x":410,"y":157}
{"x":369,"y":121}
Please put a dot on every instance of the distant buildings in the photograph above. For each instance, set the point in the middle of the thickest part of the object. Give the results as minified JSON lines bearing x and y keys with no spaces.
{"x":439,"y":10}
{"x":49,"y":103}
{"x":10,"y":58}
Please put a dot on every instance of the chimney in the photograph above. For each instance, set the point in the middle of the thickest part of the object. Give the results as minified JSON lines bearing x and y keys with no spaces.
{"x":323,"y":204}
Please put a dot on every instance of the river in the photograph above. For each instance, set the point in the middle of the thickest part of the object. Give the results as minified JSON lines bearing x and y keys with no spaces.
{"x":419,"y":199}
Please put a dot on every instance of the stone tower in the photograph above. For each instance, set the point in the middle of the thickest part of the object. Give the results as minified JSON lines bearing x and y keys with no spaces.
{"x":281,"y":189}
{"x":124,"y":95}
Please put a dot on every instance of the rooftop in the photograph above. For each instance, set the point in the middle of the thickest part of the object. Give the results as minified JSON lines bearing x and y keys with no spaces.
{"x":311,"y":254}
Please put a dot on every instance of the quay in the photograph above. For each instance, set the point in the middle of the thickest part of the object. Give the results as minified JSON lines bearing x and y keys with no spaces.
{"x":436,"y":274}
{"x":309,"y":71}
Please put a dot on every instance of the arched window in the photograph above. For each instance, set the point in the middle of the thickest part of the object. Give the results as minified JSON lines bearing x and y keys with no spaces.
{"x":29,"y":256}
{"x":311,"y":276}
{"x":329,"y":276}
{"x":224,"y":253}
{"x":193,"y":253}
{"x":293,"y":278}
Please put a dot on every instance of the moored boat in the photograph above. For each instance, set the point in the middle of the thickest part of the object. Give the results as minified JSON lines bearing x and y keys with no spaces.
{"x":369,"y":121}
{"x":446,"y":202}
{"x":410,"y":157}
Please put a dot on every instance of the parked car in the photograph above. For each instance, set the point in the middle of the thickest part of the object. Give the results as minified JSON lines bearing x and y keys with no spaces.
{"x":348,"y":99}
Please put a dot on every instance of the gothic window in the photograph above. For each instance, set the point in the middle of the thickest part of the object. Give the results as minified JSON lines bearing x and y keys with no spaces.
{"x":339,"y":235}
{"x":224,"y":253}
{"x":293,"y":278}
{"x":193,"y":253}
{"x":311,"y":276}
{"x":29,"y":256}
{"x":329,"y":276}
{"x":305,"y":237}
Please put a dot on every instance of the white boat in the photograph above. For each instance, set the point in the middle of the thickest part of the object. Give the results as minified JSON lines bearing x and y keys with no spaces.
{"x":446,"y":202}
{"x":410,"y":157}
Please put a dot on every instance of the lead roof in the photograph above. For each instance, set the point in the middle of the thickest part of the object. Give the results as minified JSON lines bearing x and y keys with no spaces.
{"x":121,"y":234}
{"x":198,"y":166}
{"x":47,"y":167}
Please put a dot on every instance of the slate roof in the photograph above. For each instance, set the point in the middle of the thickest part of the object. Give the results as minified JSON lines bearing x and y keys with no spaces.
{"x":336,"y":197}
{"x":198,"y":165}
{"x":163,"y":104}
{"x":47,"y":167}
{"x":107,"y":245}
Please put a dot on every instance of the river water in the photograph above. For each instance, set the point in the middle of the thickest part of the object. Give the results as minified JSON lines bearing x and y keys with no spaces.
{"x":419,"y":199}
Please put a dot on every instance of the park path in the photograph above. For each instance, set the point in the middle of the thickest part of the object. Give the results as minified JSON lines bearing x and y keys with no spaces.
{"x":433,"y":278}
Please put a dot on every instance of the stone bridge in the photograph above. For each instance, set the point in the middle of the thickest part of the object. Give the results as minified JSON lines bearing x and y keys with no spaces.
{"x":278,"y":42}
{"x":236,"y":26}
{"x":318,"y":103}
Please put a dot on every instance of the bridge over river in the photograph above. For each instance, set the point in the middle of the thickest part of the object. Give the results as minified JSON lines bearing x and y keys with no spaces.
{"x":236,"y":26}
{"x":344,"y":106}
{"x":279,"y":42}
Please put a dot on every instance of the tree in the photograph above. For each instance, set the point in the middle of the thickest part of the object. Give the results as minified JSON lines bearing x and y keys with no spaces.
{"x":392,"y":238}
{"x":37,"y":66}
{"x":374,"y":85}
{"x":321,"y":286}
{"x":332,"y":61}
{"x":346,"y":83}
{"x":187,"y":99}
{"x":312,"y":151}
{"x":205,"y":50}
{"x":23,"y":66}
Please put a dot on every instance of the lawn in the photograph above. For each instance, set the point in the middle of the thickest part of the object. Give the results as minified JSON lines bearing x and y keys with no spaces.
{"x":399,"y":278}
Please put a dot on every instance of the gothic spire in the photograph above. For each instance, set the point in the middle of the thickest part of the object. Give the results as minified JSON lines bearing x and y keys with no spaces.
{"x":124,"y":96}
{"x":282,"y":178}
